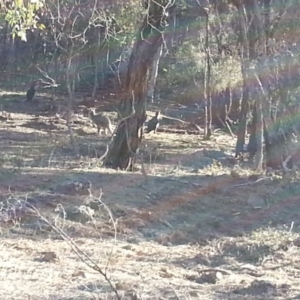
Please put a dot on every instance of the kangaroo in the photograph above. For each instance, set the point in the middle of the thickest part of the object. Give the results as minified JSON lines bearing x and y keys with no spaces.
{"x":153,"y":124}
{"x":101,"y":121}
{"x":32,"y":89}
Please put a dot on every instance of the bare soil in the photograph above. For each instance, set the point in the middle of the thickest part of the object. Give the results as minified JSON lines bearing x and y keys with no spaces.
{"x":190,"y":225}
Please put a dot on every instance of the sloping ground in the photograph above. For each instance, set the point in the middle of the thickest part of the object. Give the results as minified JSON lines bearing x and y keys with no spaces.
{"x":192,"y":228}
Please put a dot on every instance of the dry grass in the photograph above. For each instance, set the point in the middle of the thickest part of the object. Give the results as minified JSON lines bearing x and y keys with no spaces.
{"x":191,"y":229}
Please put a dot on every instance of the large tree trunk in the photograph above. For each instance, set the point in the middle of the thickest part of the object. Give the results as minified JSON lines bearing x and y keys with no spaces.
{"x":132,"y":107}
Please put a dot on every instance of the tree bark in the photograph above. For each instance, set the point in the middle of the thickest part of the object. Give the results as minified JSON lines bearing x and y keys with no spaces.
{"x":132,"y":110}
{"x":260,"y":135}
{"x":153,"y":75}
{"x":207,"y":91}
{"x":241,"y":132}
{"x":96,"y":68}
{"x":69,"y":82}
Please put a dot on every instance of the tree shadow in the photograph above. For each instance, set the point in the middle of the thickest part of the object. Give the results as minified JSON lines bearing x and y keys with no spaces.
{"x":197,"y":160}
{"x":259,"y":289}
{"x":168,"y":210}
{"x":40,"y":105}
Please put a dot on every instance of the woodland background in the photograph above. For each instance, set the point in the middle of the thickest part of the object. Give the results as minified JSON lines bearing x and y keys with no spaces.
{"x":207,"y":208}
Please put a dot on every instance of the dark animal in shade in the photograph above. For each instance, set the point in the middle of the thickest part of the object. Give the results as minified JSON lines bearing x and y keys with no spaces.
{"x":31,"y":91}
{"x":153,"y":124}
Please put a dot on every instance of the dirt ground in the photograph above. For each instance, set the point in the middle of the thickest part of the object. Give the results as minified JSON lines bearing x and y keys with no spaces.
{"x":191,"y":225}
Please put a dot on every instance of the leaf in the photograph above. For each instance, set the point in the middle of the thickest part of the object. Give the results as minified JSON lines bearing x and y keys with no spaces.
{"x":18,"y":3}
{"x":41,"y":26}
{"x":22,"y":35}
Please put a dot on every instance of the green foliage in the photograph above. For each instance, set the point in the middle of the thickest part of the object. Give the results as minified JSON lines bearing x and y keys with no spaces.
{"x":187,"y":70}
{"x":227,"y":72}
{"x":128,"y":16}
{"x":22,"y":17}
{"x":186,"y":67}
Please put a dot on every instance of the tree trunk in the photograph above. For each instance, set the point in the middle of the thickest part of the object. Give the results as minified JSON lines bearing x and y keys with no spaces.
{"x":207,"y":92}
{"x":253,"y":37}
{"x":69,"y":83}
{"x":260,"y":135}
{"x":252,"y":145}
{"x":96,"y":70}
{"x":5,"y":50}
{"x":267,"y":11}
{"x":132,"y":110}
{"x":261,"y":41}
{"x":153,"y":75}
{"x":241,"y":132}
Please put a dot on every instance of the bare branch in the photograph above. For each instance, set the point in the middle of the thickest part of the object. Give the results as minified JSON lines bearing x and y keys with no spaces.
{"x":52,"y":82}
{"x":80,"y":253}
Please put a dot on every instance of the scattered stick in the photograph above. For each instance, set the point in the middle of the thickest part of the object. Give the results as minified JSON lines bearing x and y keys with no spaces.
{"x":175,"y":119}
{"x":175,"y":293}
{"x":225,"y":124}
{"x":214,"y":270}
{"x":51,"y":82}
{"x":248,"y":183}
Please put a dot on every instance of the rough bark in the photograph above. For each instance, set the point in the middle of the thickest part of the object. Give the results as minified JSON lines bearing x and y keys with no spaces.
{"x":132,"y":110}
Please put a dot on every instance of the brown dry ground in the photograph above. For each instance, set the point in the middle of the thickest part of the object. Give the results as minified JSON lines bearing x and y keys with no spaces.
{"x":190,"y":229}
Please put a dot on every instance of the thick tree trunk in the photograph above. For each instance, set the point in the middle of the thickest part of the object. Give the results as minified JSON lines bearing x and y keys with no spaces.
{"x":132,"y":110}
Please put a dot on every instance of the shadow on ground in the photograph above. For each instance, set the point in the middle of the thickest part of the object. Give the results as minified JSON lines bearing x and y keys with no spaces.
{"x":185,"y":215}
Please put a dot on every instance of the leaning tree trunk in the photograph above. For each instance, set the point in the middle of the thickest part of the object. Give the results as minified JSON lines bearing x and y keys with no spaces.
{"x":132,"y":107}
